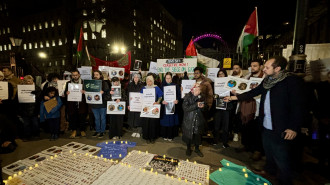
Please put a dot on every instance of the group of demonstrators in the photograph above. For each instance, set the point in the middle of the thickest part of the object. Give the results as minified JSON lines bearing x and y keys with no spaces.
{"x":267,"y":118}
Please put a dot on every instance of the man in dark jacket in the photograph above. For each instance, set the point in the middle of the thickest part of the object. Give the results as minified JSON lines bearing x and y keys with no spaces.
{"x":281,"y":109}
{"x":77,"y":111}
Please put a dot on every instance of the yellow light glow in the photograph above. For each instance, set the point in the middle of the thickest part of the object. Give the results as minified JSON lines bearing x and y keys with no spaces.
{"x":42,"y":55}
{"x":246,"y":175}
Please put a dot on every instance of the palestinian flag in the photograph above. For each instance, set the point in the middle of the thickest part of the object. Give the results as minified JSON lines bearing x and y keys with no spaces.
{"x":206,"y":62}
{"x":80,"y":44}
{"x":123,"y":62}
{"x":191,"y":50}
{"x":250,"y":31}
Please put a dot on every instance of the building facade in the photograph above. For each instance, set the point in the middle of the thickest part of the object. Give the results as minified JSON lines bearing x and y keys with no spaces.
{"x":50,"y":36}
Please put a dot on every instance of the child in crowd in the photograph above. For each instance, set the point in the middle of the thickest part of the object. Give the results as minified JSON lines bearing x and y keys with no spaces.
{"x":52,"y":115}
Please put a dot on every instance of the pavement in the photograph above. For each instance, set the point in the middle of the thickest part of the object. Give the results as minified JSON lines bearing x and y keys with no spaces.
{"x":310,"y":174}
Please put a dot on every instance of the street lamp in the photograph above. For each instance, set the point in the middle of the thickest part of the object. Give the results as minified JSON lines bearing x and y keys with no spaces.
{"x":16,"y":43}
{"x":95,"y":25}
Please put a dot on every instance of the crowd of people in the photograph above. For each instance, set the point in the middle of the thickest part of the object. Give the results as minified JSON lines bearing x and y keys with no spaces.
{"x":268,"y":118}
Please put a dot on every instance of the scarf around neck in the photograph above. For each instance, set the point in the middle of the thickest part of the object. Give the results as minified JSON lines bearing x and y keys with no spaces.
{"x":270,"y":81}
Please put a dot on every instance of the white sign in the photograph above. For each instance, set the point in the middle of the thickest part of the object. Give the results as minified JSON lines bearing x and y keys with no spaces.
{"x":93,"y":97}
{"x":85,"y":73}
{"x":135,"y":101}
{"x":75,"y":92}
{"x":170,"y":97}
{"x":116,"y":71}
{"x":105,"y":72}
{"x":3,"y":90}
{"x":117,"y":92}
{"x":179,"y":65}
{"x":254,"y":82}
{"x":149,"y":96}
{"x":153,"y":68}
{"x":187,"y":85}
{"x":212,"y":73}
{"x":240,"y":85}
{"x":150,"y":111}
{"x":25,"y":95}
{"x":116,"y":108}
{"x":61,"y":86}
{"x":219,"y":87}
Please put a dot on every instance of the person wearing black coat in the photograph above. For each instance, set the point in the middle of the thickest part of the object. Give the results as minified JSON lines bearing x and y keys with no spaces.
{"x":193,"y":120}
{"x":281,"y":109}
{"x":134,"y":120}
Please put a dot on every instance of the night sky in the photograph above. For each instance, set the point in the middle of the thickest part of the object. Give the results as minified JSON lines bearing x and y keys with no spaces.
{"x":228,"y":17}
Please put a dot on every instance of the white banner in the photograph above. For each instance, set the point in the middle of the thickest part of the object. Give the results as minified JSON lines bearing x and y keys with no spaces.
{"x":186,"y":86}
{"x":75,"y":92}
{"x":135,"y":101}
{"x":3,"y":90}
{"x":179,"y":65}
{"x":116,"y":108}
{"x":149,"y":96}
{"x":24,"y":93}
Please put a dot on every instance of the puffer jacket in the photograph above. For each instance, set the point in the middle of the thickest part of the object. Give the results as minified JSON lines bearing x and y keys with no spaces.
{"x":193,"y":119}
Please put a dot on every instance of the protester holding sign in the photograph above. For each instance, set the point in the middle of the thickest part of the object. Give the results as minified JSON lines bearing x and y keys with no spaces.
{"x":76,"y":110}
{"x":52,"y":115}
{"x":150,"y":126}
{"x":222,"y":115}
{"x":134,"y":120}
{"x":30,"y":111}
{"x":116,"y":120}
{"x":99,"y":110}
{"x":169,"y":119}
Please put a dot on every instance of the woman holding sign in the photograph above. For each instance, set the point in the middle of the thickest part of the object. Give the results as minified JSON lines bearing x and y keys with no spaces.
{"x":133,"y":120}
{"x":169,"y":119}
{"x":150,"y":123}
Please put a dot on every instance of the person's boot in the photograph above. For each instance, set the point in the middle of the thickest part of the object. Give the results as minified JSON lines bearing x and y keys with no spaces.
{"x":188,"y":152}
{"x":199,"y":153}
{"x":83,"y":134}
{"x":73,"y":134}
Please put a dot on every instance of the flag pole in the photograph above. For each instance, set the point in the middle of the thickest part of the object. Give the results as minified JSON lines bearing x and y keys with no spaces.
{"x":258,"y":48}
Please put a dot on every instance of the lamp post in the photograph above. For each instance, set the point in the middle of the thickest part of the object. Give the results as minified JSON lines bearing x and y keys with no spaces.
{"x":95,"y":25}
{"x":16,"y":43}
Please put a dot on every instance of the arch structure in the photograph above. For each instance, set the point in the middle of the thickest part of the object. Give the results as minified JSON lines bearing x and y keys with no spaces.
{"x":214,"y":36}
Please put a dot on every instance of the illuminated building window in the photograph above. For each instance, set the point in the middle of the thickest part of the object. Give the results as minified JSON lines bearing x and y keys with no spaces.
{"x":5,"y":47}
{"x":30,"y":45}
{"x":60,"y":42}
{"x":9,"y":47}
{"x":41,"y":45}
{"x":93,"y":36}
{"x":40,"y":26}
{"x":53,"y":43}
{"x":52,"y":24}
{"x":47,"y":44}
{"x":134,"y":42}
{"x":23,"y":29}
{"x":134,"y":12}
{"x":24,"y":46}
{"x":84,"y":13}
{"x":85,"y":36}
{"x":104,"y":33}
{"x":85,"y":24}
{"x":34,"y":27}
{"x":28,"y":29}
{"x":59,"y":23}
{"x":46,"y":24}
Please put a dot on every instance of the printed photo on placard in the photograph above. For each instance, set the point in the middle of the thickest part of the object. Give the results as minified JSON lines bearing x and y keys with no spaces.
{"x":117,"y":92}
{"x":93,"y":97}
{"x":163,"y":165}
{"x":116,"y":72}
{"x":170,"y":107}
{"x":116,"y":108}
{"x":73,"y":146}
{"x":15,"y":167}
{"x":135,"y":101}
{"x":132,"y":75}
{"x":105,"y":72}
{"x":150,"y":111}
{"x":54,"y":150}
{"x":36,"y":158}
{"x":220,"y":104}
{"x":137,"y":65}
{"x":89,"y":149}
